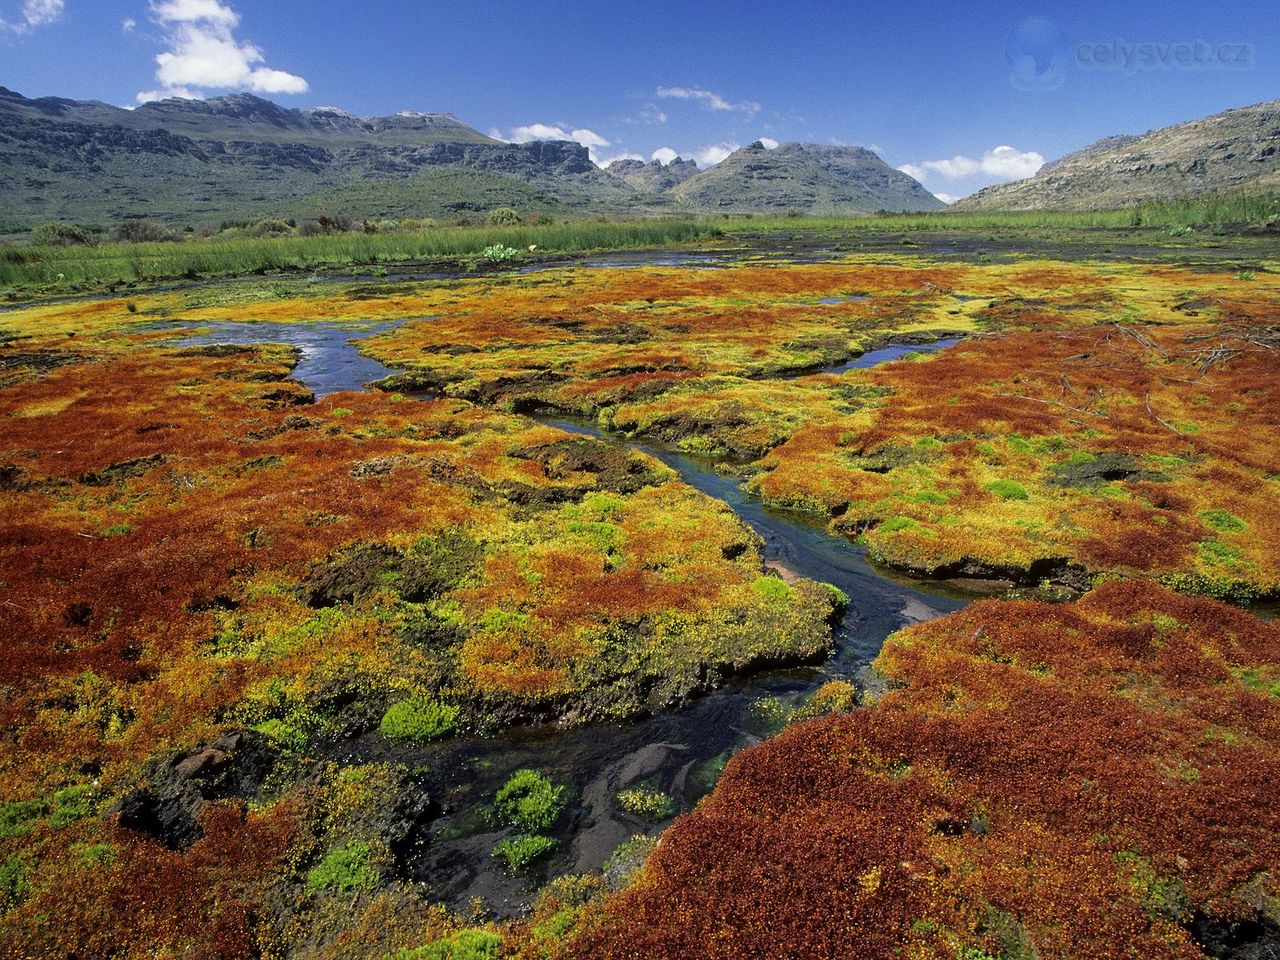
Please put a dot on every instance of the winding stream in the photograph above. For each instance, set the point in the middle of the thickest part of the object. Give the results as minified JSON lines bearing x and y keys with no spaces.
{"x":679,"y":752}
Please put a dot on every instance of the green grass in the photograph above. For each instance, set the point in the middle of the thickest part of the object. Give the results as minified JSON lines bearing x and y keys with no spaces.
{"x":76,"y":268}
{"x":1207,"y":211}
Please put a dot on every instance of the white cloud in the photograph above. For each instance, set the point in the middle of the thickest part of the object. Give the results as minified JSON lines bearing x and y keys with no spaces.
{"x":769,"y":143}
{"x":607,"y":161}
{"x":546,"y":131}
{"x":664,"y":155}
{"x":650,"y":113}
{"x":945,"y":197}
{"x":173,"y":93}
{"x":128,"y":24}
{"x":1002,"y":163}
{"x":35,"y":13}
{"x":203,"y":53}
{"x":711,"y":155}
{"x":1011,"y":164}
{"x":710,"y":99}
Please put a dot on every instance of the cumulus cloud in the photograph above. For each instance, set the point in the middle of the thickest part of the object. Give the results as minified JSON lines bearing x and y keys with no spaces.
{"x":650,"y":113}
{"x":711,"y":155}
{"x":128,"y":24}
{"x":769,"y":143}
{"x":945,"y":197}
{"x":35,"y":13}
{"x":710,"y":99}
{"x":1002,"y":163}
{"x":204,"y":54}
{"x":550,"y":131}
{"x":607,"y":161}
{"x":664,"y":155}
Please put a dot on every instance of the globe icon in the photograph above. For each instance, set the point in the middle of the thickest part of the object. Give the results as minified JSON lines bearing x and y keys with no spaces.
{"x":1037,"y":54}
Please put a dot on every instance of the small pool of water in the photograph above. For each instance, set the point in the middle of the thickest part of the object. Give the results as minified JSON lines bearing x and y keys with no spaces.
{"x":892,"y":351}
{"x":330,"y":361}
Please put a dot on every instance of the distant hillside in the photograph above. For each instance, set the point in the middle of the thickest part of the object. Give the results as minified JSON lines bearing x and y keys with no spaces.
{"x":807,"y":177}
{"x":204,"y":161}
{"x":1235,"y":150}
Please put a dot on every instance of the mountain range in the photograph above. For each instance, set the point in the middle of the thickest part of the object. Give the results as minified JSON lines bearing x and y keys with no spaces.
{"x":203,"y":161}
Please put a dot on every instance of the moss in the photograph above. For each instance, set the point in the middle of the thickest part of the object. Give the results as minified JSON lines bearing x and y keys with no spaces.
{"x":644,"y":802}
{"x":520,"y":852}
{"x":464,"y":945}
{"x":897,"y":524}
{"x":1007,"y":490}
{"x":70,"y":805}
{"x":528,"y":801}
{"x":13,"y":879}
{"x":1223,"y":521}
{"x":345,"y":869}
{"x":773,"y":588}
{"x":19,"y":816}
{"x":419,"y":720}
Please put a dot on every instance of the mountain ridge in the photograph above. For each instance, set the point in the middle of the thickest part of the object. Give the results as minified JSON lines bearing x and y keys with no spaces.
{"x":202,"y":161}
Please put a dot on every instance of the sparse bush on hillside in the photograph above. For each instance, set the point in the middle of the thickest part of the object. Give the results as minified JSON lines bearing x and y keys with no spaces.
{"x":60,"y":235}
{"x":503,"y":217}
{"x":270,"y":228}
{"x":140,"y":231}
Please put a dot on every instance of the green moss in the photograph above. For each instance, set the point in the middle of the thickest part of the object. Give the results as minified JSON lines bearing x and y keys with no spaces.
{"x":649,"y":804}
{"x":1007,"y":490}
{"x":70,"y":805}
{"x":463,"y":945}
{"x":528,"y":801}
{"x":1223,"y":521}
{"x":344,"y":870}
{"x":772,"y":588}
{"x":518,"y":853}
{"x":18,"y":818}
{"x":1218,"y":553}
{"x":419,"y":720}
{"x":896,"y":524}
{"x":929,"y":496}
{"x":13,"y":879}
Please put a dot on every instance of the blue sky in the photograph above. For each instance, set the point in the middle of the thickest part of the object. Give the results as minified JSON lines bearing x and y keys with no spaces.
{"x":961,"y":96}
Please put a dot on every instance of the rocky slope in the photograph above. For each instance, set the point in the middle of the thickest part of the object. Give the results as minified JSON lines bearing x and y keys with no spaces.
{"x":808,"y":177}
{"x":1230,"y":151}
{"x":655,"y":176}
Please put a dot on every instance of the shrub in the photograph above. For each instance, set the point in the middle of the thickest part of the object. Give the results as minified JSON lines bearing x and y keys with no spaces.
{"x":517,"y":854}
{"x":503,"y":217}
{"x":344,"y":870}
{"x":528,"y":801}
{"x":60,"y":235}
{"x":646,"y":803}
{"x":1007,"y":490}
{"x":1223,"y":521}
{"x":463,"y":945}
{"x":140,"y":231}
{"x":419,"y":720}
{"x":499,"y":253}
{"x":270,"y":228}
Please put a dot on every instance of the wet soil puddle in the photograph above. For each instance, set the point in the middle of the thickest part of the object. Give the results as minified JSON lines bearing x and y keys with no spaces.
{"x":680,"y":752}
{"x":891,"y":351}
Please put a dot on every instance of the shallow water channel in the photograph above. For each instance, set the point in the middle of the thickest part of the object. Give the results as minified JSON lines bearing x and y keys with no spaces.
{"x":679,"y":752}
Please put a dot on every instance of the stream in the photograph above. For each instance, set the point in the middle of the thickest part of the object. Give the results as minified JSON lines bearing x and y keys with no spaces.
{"x":680,"y":752}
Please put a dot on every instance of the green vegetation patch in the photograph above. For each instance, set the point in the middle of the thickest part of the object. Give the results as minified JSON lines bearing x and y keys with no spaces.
{"x":344,"y":869}
{"x":419,"y":720}
{"x":519,"y":853}
{"x":528,"y":801}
